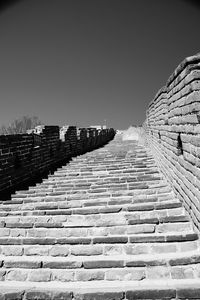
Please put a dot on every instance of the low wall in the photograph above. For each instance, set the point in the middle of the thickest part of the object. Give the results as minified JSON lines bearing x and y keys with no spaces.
{"x":24,"y":158}
{"x":172,"y":131}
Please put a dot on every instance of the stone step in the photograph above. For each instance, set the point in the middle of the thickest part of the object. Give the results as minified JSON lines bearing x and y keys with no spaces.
{"x":132,"y":274}
{"x":89,"y":240}
{"x":106,"y":170}
{"x":110,"y":205}
{"x":81,"y":268}
{"x":66,"y":261}
{"x":135,"y":197}
{"x":127,"y":183}
{"x":102,"y":290}
{"x":97,"y":220}
{"x":99,"y":174}
{"x":57,"y":230}
{"x":93,"y":181}
{"x":101,"y":249}
{"x":142,"y":189}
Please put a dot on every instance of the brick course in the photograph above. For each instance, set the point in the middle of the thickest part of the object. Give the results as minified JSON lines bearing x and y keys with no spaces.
{"x":172,"y":131}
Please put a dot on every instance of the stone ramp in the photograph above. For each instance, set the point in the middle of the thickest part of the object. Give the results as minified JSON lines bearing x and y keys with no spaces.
{"x":105,"y":226}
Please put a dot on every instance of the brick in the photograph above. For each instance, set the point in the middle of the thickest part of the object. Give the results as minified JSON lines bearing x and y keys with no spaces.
{"x":145,"y":262}
{"x":38,"y":295}
{"x":143,"y":221}
{"x":89,"y":275}
{"x":146,"y":228}
{"x":40,"y":233}
{"x":158,"y":272}
{"x":62,"y":296}
{"x":19,"y":225}
{"x":17,"y":275}
{"x":188,"y":292}
{"x":185,"y":260}
{"x":12,"y":250}
{"x":136,"y":249}
{"x":115,"y":230}
{"x":154,"y":293}
{"x":13,"y":295}
{"x":99,"y":296}
{"x":4,"y":232}
{"x":92,"y":203}
{"x":74,"y":241}
{"x":48,"y":225}
{"x":167,"y":205}
{"x":141,"y":207}
{"x":18,"y":232}
{"x":87,"y":250}
{"x":174,"y":227}
{"x":75,"y":232}
{"x":188,"y":246}
{"x":34,"y":241}
{"x":10,"y":241}
{"x":110,"y":240}
{"x":118,"y":202}
{"x":63,"y":275}
{"x":59,"y":250}
{"x":109,"y":209}
{"x":39,"y":275}
{"x":103,"y":264}
{"x":186,"y":237}
{"x":113,"y":250}
{"x":8,"y":263}
{"x":62,"y":264}
{"x":36,"y":250}
{"x":172,"y":219}
{"x":146,"y":239}
{"x":182,"y":273}
{"x":64,"y":209}
{"x":166,"y":248}
{"x":85,"y":211}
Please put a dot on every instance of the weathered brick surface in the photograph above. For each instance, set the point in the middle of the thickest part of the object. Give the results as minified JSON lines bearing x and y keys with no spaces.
{"x":105,"y":226}
{"x":99,"y":296}
{"x":172,"y":132}
{"x":25,"y":157}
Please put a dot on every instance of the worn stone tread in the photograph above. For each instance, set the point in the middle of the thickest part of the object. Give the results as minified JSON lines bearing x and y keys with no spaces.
{"x":106,"y":226}
{"x":172,"y":259}
{"x":153,"y":289}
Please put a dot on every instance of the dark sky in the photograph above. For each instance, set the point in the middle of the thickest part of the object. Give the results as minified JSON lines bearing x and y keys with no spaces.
{"x":80,"y":62}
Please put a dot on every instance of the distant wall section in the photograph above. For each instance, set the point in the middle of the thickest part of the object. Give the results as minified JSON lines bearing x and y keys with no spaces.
{"x":172,"y":131}
{"x":26,"y":157}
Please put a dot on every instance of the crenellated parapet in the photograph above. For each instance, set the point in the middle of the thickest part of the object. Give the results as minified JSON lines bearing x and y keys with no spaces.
{"x":26,"y":157}
{"x":172,"y":130}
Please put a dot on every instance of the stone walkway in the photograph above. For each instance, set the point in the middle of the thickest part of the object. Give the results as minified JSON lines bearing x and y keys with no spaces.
{"x":105,"y":226}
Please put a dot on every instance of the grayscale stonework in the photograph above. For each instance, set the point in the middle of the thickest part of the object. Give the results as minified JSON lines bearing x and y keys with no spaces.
{"x":120,"y":222}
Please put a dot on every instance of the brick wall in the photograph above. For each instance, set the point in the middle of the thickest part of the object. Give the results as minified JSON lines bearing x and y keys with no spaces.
{"x":26,"y":157}
{"x":172,"y":131}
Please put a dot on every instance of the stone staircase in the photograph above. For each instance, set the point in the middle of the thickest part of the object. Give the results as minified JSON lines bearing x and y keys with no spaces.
{"x":105,"y":226}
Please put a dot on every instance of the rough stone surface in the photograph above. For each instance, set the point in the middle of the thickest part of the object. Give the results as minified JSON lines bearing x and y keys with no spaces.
{"x":171,"y":131}
{"x":107,"y":225}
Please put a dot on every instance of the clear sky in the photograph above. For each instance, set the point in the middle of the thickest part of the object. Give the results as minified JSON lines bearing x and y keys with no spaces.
{"x":81,"y":62}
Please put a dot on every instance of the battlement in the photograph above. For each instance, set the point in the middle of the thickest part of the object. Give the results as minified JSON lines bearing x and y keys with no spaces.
{"x":26,"y":157}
